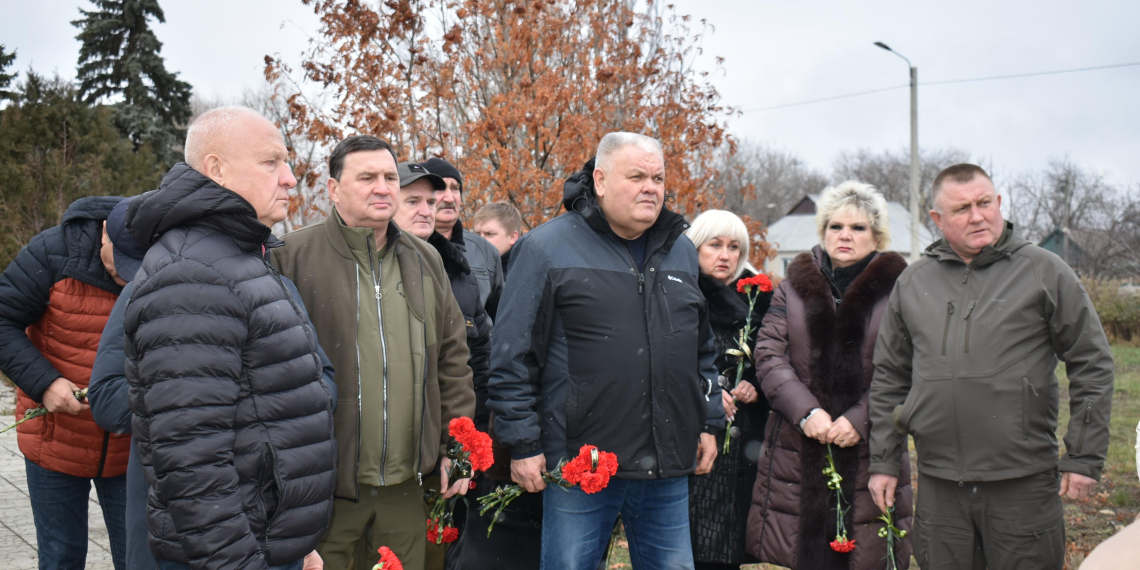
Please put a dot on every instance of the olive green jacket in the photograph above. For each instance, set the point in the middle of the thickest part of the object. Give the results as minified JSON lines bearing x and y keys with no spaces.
{"x":965,"y":363}
{"x":317,"y":258}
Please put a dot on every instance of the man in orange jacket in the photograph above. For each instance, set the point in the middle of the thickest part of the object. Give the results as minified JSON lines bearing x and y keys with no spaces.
{"x":54,"y":301}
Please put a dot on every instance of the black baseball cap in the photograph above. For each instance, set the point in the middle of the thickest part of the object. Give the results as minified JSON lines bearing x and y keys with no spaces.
{"x":412,"y":171}
{"x":128,"y":253}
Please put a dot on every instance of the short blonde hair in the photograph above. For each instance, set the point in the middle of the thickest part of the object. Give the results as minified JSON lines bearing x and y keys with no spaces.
{"x":207,"y":133}
{"x":716,"y":223}
{"x":857,"y":198}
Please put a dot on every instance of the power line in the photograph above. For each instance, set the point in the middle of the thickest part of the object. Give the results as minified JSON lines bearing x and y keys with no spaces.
{"x":947,"y":82}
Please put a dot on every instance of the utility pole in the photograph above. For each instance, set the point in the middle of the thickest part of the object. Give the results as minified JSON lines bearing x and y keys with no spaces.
{"x":914,"y":181}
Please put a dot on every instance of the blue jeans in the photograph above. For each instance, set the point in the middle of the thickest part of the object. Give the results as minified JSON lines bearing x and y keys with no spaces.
{"x":59,"y":507}
{"x":576,"y":527}
{"x":168,"y":565}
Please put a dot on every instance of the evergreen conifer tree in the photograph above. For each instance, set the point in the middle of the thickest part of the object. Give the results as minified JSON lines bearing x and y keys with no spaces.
{"x":6,"y":78}
{"x":120,"y":55}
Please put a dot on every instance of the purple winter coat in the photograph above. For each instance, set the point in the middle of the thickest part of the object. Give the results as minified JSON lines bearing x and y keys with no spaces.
{"x":811,"y":355}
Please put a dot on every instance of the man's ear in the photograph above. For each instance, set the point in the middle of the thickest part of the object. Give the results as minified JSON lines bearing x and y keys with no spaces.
{"x":213,"y":169}
{"x":514,"y":237}
{"x":334,"y":188}
{"x":599,"y":182}
{"x":937,"y":217}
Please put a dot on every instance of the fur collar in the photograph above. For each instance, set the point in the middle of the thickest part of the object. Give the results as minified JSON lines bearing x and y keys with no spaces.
{"x":726,"y":308}
{"x":837,"y":334}
{"x":454,"y":262}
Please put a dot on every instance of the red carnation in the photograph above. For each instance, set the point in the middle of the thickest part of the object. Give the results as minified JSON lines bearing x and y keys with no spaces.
{"x":450,"y":534}
{"x":460,"y":427}
{"x":843,"y":545}
{"x":760,"y":281}
{"x":388,"y":560}
{"x":432,"y":531}
{"x":580,"y":471}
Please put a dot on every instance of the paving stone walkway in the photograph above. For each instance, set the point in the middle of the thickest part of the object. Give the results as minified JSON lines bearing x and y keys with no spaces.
{"x":17,"y":529}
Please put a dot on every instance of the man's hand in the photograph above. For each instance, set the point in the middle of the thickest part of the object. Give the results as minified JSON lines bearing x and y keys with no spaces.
{"x":1076,"y":486}
{"x":745,"y":392}
{"x":459,"y":486}
{"x":842,"y":433}
{"x":883,"y":490}
{"x":818,"y":426}
{"x":706,"y":453}
{"x":528,"y":473}
{"x":729,"y":405}
{"x":60,"y":397}
{"x":313,"y":561}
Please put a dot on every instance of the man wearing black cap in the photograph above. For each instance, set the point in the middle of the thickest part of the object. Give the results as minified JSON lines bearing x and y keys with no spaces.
{"x":55,"y":298}
{"x":481,"y":255}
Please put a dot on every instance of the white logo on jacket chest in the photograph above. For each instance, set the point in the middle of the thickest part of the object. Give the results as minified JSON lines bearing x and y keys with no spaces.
{"x":671,"y":278}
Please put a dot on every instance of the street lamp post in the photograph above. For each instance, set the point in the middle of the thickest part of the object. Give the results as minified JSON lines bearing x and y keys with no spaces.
{"x":914,"y":199}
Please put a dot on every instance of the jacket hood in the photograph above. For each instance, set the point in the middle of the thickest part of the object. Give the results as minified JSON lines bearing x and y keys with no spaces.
{"x":578,"y":196}
{"x":1006,"y":245}
{"x":82,"y":228}
{"x":187,"y":197}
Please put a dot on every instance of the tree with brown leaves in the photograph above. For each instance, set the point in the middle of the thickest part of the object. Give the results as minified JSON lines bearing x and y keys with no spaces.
{"x":516,"y":94}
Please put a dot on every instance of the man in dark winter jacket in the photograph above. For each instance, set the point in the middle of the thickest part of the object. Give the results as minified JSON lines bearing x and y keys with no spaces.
{"x":603,"y":339}
{"x":108,"y":394}
{"x":55,"y":298}
{"x":416,"y":215}
{"x":233,"y":423}
{"x":965,"y":363}
{"x":481,"y":256}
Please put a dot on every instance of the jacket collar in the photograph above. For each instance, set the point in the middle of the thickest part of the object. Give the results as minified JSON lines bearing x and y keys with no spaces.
{"x":726,"y":308}
{"x":454,"y":262}
{"x":1006,"y":245}
{"x":344,"y":238}
{"x":188,"y":198}
{"x":457,"y":235}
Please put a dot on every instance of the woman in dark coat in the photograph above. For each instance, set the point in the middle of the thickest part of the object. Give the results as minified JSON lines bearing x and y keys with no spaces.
{"x":719,"y":501}
{"x":814,"y":361}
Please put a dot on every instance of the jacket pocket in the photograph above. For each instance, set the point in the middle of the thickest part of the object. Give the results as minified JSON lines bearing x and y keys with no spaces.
{"x":966,"y":342}
{"x":472,"y":329}
{"x":946,"y":327}
{"x":268,"y":489}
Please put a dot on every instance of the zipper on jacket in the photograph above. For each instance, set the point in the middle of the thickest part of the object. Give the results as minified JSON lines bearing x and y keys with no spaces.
{"x":423,"y":384}
{"x":969,"y":311}
{"x":946,"y":328}
{"x":103,"y":455}
{"x":384,"y":354}
{"x":1084,"y":426}
{"x":359,"y":387}
{"x":967,"y":275}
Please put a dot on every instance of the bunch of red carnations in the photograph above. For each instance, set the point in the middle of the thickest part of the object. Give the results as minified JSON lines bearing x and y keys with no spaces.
{"x":590,"y":470}
{"x":388,"y":560}
{"x":470,"y":452}
{"x":753,"y":287}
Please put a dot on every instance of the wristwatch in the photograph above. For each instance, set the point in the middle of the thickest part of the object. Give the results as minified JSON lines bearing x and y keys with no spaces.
{"x":808,"y":417}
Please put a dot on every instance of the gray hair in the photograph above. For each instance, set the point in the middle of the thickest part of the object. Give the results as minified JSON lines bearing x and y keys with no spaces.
{"x":613,"y":142}
{"x":716,"y":223}
{"x":855,"y":198}
{"x":204,"y":134}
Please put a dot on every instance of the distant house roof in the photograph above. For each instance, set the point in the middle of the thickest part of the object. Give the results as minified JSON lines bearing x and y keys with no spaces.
{"x":797,"y":232}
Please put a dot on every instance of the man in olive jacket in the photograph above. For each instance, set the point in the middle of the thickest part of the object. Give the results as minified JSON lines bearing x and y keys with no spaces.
{"x":383,"y":308}
{"x":964,"y":363}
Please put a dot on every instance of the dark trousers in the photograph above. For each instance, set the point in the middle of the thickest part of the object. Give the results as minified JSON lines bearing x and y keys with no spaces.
{"x":59,"y":507}
{"x":1017,"y":524}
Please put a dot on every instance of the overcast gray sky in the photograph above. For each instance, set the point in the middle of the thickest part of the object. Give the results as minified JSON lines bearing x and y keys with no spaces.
{"x":779,"y":52}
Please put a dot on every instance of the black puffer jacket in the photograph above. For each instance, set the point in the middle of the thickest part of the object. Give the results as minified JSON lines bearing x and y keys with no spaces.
{"x":233,"y":423}
{"x":465,"y":287}
{"x":589,"y":350}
